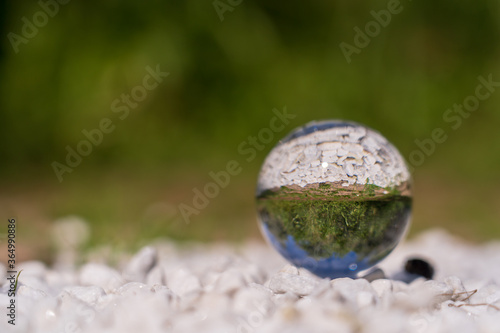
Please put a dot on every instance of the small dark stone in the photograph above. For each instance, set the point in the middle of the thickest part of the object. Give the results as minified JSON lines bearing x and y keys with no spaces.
{"x":419,"y":267}
{"x":374,"y":274}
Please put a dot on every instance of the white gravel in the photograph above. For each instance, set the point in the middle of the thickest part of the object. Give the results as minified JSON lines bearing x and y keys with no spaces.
{"x":340,"y":151}
{"x":221,"y":288}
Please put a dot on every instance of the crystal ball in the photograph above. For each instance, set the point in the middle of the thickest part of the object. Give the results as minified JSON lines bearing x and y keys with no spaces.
{"x":334,"y":197}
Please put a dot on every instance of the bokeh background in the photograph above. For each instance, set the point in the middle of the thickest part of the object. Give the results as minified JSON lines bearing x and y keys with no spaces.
{"x":226,"y":77}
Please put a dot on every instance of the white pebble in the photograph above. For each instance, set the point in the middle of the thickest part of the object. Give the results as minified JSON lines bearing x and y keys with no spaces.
{"x":32,"y":269}
{"x":100,"y":275}
{"x":90,"y":295}
{"x":382,"y":287}
{"x":349,"y":289}
{"x":290,"y":269}
{"x":286,"y":298}
{"x":365,"y":299}
{"x":156,"y":276}
{"x":26,"y":291}
{"x":229,"y":281}
{"x":140,"y":265}
{"x":300,"y":285}
{"x":133,"y":289}
{"x":182,"y":282}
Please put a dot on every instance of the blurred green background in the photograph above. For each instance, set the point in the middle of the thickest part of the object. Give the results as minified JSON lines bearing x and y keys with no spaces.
{"x":226,"y":77}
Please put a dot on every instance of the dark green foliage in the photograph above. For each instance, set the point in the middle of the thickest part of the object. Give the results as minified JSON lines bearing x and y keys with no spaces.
{"x":327,"y":225}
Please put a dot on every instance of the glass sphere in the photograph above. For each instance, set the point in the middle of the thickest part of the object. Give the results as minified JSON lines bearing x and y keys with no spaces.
{"x":334,"y":197}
